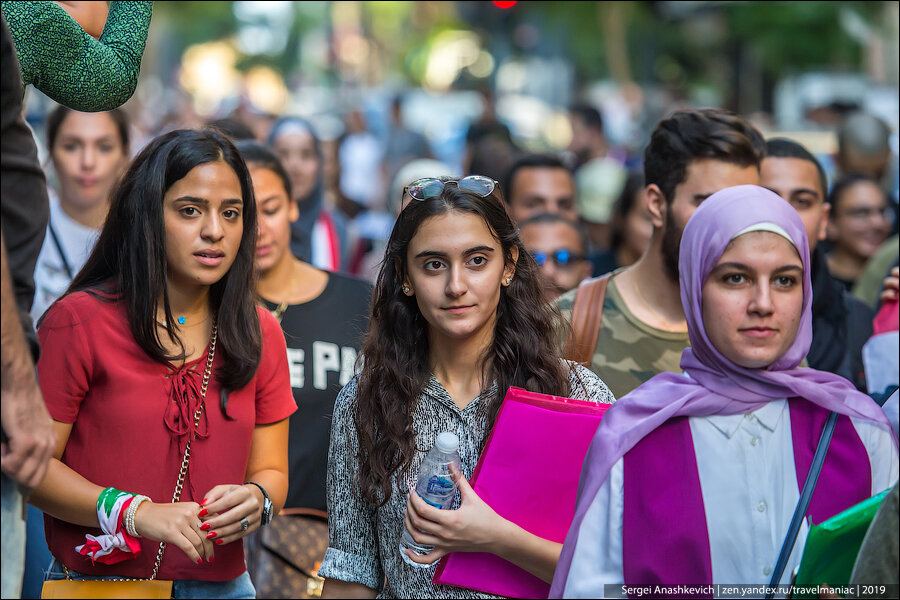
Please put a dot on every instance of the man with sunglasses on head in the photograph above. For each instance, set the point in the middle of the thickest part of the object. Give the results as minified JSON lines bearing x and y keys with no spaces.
{"x":560,"y":248}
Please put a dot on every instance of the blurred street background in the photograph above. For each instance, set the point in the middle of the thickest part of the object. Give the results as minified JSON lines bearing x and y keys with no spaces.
{"x":792,"y":67}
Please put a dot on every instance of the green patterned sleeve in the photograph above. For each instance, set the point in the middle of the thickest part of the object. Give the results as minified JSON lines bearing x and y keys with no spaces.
{"x":565,"y":303}
{"x":68,"y":65}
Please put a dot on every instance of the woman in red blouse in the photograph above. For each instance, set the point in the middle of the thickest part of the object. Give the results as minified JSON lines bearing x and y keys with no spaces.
{"x":166,"y":298}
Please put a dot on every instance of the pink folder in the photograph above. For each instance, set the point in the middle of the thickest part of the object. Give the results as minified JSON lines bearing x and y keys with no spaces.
{"x":528,"y":472}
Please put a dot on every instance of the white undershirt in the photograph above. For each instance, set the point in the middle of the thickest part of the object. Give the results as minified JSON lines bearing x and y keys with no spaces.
{"x":50,"y":278}
{"x":749,"y":486}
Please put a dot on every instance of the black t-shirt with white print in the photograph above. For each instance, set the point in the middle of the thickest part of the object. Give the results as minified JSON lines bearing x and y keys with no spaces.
{"x":323,"y":339}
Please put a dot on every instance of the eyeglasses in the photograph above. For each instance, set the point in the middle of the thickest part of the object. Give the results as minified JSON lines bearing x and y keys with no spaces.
{"x":561,"y":258}
{"x":862,"y":214}
{"x":430,"y":187}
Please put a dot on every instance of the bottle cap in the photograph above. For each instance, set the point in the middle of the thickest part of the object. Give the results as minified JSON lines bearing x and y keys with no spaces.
{"x":447,"y":442}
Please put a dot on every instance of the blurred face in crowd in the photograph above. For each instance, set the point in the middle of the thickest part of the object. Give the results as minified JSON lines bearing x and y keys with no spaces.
{"x":753,"y":299}
{"x":797,"y":181}
{"x":455,"y":268}
{"x":859,"y":222}
{"x":88,"y":156}
{"x":536,"y":190}
{"x":637,"y":227}
{"x":703,"y":178}
{"x":584,"y":139}
{"x":297,"y":152}
{"x":275,"y":213}
{"x":872,"y":165}
{"x":203,"y":215}
{"x":559,"y":252}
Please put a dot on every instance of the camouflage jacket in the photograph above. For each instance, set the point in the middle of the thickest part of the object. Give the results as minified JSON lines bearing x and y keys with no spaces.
{"x":628,"y":351}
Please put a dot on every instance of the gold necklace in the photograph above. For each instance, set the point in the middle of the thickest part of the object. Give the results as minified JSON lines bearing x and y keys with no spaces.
{"x":279,"y":311}
{"x":182,"y":322}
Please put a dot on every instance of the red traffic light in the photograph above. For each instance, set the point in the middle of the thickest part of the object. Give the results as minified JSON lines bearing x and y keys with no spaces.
{"x":504,"y":3}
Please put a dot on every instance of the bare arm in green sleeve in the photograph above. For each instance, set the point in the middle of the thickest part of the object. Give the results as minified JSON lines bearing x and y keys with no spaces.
{"x":64,"y":62}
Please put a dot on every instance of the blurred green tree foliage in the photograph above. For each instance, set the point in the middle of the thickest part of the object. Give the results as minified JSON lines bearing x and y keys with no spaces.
{"x":660,"y":41}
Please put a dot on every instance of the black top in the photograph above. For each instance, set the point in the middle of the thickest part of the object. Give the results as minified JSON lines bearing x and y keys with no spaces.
{"x":323,"y":338}
{"x":603,"y":262}
{"x":841,"y":325}
{"x":25,"y":207}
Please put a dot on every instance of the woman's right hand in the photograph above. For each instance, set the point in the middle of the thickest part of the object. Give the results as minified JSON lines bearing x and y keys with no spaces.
{"x":177,"y":524}
{"x":891,"y":286}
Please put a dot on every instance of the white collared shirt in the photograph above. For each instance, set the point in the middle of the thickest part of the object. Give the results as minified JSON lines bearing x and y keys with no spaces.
{"x":749,"y":486}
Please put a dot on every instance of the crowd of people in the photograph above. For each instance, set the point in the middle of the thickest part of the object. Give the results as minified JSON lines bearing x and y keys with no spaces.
{"x":232,"y":325}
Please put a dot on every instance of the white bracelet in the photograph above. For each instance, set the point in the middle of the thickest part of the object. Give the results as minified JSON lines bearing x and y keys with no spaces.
{"x":128,"y":520}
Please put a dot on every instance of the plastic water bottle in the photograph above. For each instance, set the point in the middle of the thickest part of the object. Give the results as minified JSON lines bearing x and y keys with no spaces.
{"x":436,"y":486}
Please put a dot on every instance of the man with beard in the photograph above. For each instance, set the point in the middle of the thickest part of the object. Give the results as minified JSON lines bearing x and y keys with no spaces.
{"x":642,"y":331}
{"x":841,"y":323}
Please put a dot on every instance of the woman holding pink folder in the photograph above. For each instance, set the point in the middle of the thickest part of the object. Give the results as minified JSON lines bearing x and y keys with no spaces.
{"x":457,"y":318}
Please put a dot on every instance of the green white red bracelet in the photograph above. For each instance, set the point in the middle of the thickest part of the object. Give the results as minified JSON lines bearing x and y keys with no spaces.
{"x":116,"y":544}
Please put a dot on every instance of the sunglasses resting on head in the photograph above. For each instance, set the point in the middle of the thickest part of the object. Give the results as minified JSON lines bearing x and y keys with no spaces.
{"x":431,"y":187}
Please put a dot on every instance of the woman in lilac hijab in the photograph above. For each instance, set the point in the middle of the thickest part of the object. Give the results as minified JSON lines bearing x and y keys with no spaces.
{"x":692,"y":479}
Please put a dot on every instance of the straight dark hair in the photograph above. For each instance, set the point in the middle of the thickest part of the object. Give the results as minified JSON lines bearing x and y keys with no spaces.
{"x":129,"y":265}
{"x":260,"y":156}
{"x":524,"y":350}
{"x":59,"y":114}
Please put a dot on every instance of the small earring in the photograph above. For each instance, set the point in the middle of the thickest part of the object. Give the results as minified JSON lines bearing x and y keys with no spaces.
{"x":508,"y":280}
{"x":406,"y":289}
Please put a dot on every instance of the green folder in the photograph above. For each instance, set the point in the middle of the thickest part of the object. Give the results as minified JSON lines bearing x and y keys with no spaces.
{"x":832,"y":546}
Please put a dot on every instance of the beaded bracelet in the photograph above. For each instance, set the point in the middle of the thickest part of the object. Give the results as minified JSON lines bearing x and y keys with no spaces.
{"x":130,"y":512}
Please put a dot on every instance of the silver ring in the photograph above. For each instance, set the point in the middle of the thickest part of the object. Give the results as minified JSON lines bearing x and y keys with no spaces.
{"x":245,"y":524}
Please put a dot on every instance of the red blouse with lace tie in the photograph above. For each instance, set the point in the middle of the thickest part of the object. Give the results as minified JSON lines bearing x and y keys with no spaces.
{"x":131,"y":418}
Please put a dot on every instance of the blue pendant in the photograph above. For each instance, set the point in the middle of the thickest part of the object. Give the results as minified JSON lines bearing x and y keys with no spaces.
{"x":181,"y":320}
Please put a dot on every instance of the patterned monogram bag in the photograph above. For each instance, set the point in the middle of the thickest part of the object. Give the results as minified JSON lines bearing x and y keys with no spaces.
{"x":284,"y":558}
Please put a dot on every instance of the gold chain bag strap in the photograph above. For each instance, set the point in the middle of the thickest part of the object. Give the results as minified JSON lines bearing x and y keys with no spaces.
{"x":284,"y":557}
{"x":135,"y":588}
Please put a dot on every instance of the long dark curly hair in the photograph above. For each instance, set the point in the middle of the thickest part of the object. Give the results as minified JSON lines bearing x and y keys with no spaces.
{"x":395,"y":355}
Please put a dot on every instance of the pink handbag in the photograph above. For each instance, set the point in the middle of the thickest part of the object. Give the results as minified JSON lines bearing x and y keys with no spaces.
{"x":528,"y":473}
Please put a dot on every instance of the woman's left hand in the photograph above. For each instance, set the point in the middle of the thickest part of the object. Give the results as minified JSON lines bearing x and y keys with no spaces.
{"x":473,"y":527}
{"x":225,"y":506}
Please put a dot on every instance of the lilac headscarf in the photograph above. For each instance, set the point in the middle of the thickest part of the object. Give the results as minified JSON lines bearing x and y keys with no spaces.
{"x":715,"y":386}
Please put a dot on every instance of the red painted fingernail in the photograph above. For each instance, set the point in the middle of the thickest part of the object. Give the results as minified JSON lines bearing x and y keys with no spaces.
{"x":211,"y":535}
{"x":199,"y":561}
{"x":219,"y":542}
{"x":205,"y":500}
{"x":210,"y":559}
{"x":205,"y":526}
{"x":203,"y":513}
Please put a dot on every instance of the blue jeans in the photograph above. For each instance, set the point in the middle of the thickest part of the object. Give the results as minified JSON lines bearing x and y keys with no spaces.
{"x":12,"y":539}
{"x":240,"y":587}
{"x":37,"y":555}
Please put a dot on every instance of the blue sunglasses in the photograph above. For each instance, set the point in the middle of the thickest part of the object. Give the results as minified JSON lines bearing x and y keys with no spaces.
{"x":561,"y":258}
